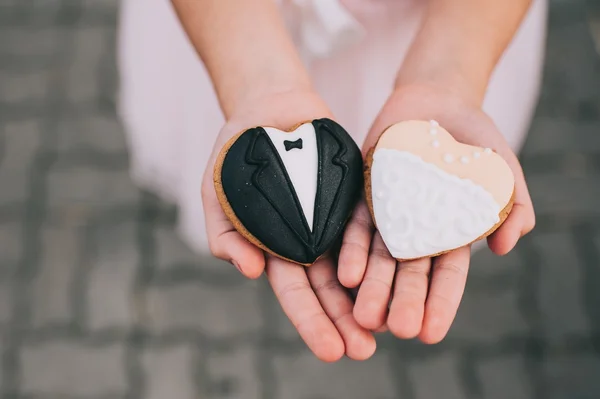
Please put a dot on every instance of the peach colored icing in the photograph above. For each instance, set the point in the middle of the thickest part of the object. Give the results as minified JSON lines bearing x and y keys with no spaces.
{"x":434,"y":145}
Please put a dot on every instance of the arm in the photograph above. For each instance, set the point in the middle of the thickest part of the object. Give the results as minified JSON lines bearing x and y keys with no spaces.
{"x":245,"y":48}
{"x":260,"y":81}
{"x":460,"y":42}
{"x":444,"y":77}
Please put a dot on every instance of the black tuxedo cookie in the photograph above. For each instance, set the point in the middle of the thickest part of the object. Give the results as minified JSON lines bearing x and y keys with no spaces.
{"x":290,"y":192}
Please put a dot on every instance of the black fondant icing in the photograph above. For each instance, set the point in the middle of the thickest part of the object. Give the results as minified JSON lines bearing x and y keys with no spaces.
{"x":263,"y":198}
{"x":290,"y":145}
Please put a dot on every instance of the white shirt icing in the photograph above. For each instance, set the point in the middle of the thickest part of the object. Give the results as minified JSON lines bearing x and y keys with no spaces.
{"x":422,"y":210}
{"x":302,"y":165}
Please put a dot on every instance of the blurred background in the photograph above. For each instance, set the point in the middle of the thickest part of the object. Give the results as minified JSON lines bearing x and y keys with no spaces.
{"x":100,"y":299}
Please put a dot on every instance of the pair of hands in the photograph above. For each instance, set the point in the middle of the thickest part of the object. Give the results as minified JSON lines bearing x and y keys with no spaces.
{"x":416,"y":298}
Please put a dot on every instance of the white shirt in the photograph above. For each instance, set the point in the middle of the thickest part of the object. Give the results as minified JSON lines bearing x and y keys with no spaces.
{"x":302,"y":165}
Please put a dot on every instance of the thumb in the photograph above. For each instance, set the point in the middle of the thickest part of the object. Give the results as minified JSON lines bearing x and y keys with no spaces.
{"x":225,"y":242}
{"x":521,"y":219}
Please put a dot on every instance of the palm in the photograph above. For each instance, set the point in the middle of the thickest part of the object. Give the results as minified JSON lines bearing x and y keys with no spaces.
{"x":317,"y":305}
{"x":421,"y":297}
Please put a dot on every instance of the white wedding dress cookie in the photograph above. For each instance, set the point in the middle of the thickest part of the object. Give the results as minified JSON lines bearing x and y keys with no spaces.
{"x":430,"y":194}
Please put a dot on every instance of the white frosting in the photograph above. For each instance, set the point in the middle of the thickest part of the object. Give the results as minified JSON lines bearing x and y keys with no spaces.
{"x":435,"y":143}
{"x":424,"y":209}
{"x":302,"y":165}
{"x":448,"y":158}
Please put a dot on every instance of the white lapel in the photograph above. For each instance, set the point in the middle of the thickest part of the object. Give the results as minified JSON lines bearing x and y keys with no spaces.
{"x":302,"y":165}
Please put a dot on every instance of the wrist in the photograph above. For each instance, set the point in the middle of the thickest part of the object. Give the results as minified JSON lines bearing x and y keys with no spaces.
{"x":427,"y":100}
{"x":280,"y":107}
{"x":253,"y":91}
{"x":459,"y":44}
{"x":424,"y":100}
{"x":455,"y":83}
{"x":245,"y":48}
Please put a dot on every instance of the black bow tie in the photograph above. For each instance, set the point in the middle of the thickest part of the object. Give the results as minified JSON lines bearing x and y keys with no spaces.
{"x":290,"y":145}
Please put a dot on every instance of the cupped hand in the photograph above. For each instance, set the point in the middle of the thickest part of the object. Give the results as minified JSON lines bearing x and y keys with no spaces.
{"x":420,"y":298}
{"x":313,"y":299}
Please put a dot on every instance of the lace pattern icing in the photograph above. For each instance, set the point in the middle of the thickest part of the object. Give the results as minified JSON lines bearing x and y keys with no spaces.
{"x":421,"y":210}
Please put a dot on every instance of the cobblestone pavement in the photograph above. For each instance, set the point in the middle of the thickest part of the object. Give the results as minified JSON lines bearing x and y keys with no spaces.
{"x":99,"y":299}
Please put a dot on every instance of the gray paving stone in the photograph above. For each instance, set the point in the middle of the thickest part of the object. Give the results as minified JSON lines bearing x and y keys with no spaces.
{"x":488,"y":317}
{"x":234,"y":374}
{"x":594,"y":24}
{"x":572,"y":377}
{"x":21,"y":140}
{"x":5,"y":303}
{"x":556,"y":194}
{"x":168,"y":372}
{"x":38,"y":43}
{"x":597,"y":242}
{"x":88,"y":187}
{"x":495,"y":374}
{"x":95,"y":4}
{"x":10,"y":243}
{"x":302,"y":376}
{"x":46,"y":13}
{"x":446,"y":383}
{"x":73,"y":370}
{"x":52,"y":288}
{"x":88,"y":49}
{"x":91,"y":131}
{"x":560,"y":297}
{"x":172,"y":253}
{"x":571,"y":76}
{"x":2,"y":346}
{"x":215,"y":311}
{"x":556,"y":136}
{"x":113,"y":269}
{"x":486,"y":264}
{"x":22,"y":86}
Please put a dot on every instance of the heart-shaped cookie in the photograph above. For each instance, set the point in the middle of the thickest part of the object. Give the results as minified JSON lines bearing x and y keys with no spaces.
{"x":290,"y":192}
{"x":429,"y":194}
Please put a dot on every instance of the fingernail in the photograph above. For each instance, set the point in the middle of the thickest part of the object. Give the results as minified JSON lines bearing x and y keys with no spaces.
{"x":237,"y":265}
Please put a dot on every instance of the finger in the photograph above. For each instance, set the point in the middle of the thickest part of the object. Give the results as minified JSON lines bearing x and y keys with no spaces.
{"x":384,"y":328}
{"x":503,"y":240}
{"x":246,"y":257}
{"x":352,"y":261}
{"x":359,"y":342}
{"x":410,"y":293}
{"x":225,"y":242}
{"x":521,"y":220}
{"x":300,"y":304}
{"x":374,"y":293}
{"x":449,"y":276}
